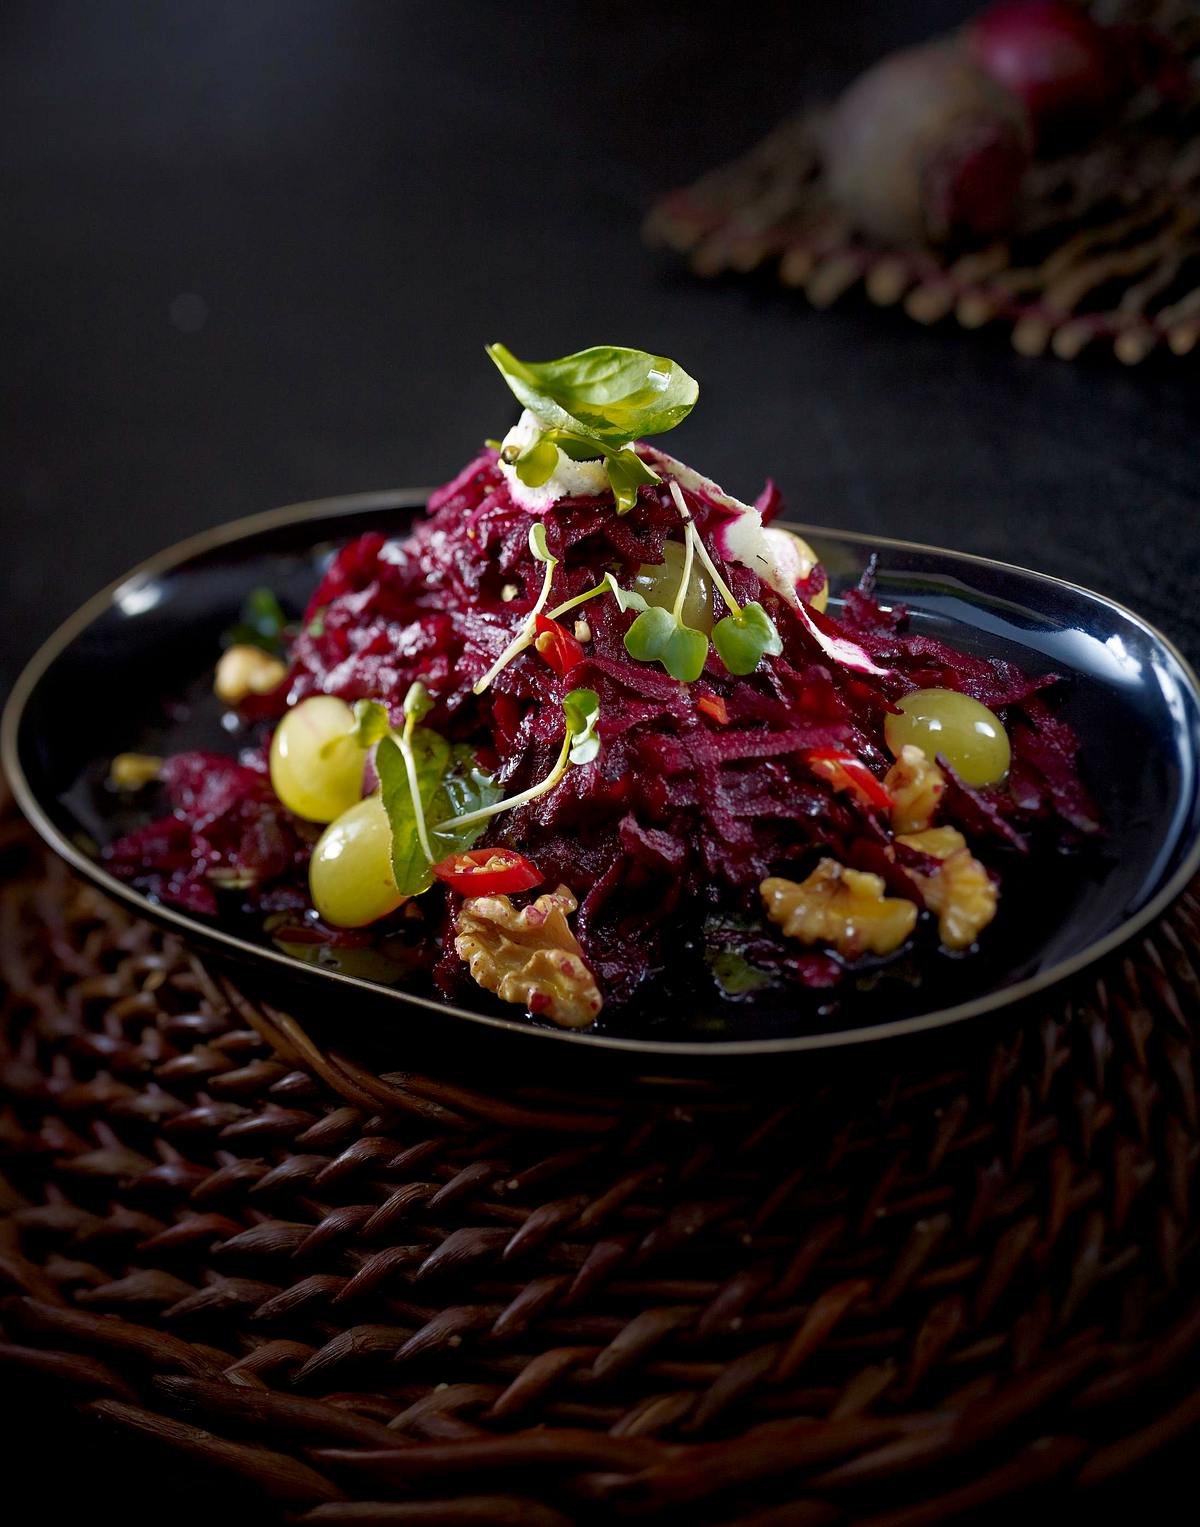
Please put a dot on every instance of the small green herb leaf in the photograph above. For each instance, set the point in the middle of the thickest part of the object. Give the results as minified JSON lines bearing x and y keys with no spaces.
{"x":626,"y":474}
{"x":582,"y":710}
{"x":431,"y":758}
{"x":613,"y":393}
{"x":537,"y":544}
{"x":535,"y":465}
{"x":417,"y":703}
{"x":262,"y":624}
{"x":741,"y":640}
{"x":370,"y":722}
{"x":646,"y":640}
{"x":656,"y":636}
{"x":627,"y":599}
{"x":686,"y":654}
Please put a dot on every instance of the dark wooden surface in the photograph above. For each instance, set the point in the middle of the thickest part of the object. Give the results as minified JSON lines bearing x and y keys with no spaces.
{"x":361,"y":194}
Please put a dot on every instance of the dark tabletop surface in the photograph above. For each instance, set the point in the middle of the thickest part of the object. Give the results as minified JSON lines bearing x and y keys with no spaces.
{"x":251,"y":254}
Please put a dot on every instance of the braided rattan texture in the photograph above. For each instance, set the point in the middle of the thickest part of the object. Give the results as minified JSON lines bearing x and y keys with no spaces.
{"x":1106,"y":251}
{"x":314,"y":1288}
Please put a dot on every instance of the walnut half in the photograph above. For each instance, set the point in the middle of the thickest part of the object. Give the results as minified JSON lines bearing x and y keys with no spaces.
{"x":529,"y":956}
{"x":916,"y":786}
{"x":243,"y":671}
{"x":960,"y":891}
{"x":844,"y":908}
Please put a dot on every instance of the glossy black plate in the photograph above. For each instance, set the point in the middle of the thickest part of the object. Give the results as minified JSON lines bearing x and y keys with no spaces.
{"x":112,"y":678}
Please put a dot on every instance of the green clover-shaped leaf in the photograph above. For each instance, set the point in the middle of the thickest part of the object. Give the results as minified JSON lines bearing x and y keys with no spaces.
{"x":657,"y":636}
{"x":741,"y":640}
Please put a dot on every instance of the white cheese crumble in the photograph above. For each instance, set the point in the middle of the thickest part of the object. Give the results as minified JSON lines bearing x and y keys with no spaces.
{"x":570,"y":479}
{"x":772,"y":554}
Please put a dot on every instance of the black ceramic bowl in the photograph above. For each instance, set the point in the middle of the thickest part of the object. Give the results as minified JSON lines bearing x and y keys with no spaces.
{"x":107,"y":681}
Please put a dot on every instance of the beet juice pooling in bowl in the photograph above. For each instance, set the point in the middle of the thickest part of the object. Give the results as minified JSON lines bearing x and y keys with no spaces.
{"x":590,"y":730}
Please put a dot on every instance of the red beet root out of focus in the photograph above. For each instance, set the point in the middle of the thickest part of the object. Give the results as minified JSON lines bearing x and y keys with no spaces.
{"x":932,"y":143}
{"x":925,"y":147}
{"x":1053,"y":57}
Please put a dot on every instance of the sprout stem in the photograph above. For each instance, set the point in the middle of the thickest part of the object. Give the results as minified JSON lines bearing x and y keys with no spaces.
{"x":414,"y":787}
{"x":523,"y":637}
{"x":693,"y":536}
{"x":681,"y":592}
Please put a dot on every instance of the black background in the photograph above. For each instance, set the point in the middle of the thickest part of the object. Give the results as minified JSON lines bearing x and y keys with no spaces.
{"x":362,"y":194}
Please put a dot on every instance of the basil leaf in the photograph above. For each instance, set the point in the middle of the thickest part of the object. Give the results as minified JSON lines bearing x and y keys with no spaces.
{"x":370,"y":723}
{"x":431,"y":754}
{"x":608,"y":391}
{"x":741,"y":640}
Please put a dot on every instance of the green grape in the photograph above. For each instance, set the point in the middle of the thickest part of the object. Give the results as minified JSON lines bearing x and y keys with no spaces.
{"x":971,"y":737}
{"x":659,"y":583}
{"x":316,"y":764}
{"x":350,"y":876}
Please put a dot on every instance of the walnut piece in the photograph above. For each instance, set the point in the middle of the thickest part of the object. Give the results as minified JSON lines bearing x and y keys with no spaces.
{"x":529,"y":956}
{"x":841,"y":907}
{"x":916,"y":786}
{"x":244,"y":670}
{"x":960,"y":891}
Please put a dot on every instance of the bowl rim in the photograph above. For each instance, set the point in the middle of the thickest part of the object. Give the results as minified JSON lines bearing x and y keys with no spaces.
{"x":348,"y":505}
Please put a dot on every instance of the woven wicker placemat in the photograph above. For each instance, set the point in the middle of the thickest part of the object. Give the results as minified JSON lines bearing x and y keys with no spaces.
{"x":350,"y":1298}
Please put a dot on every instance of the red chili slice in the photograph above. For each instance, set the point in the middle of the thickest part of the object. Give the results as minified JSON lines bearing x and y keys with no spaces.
{"x":488,"y":872}
{"x":557,"y":645}
{"x":714,"y":706}
{"x":845,"y":772}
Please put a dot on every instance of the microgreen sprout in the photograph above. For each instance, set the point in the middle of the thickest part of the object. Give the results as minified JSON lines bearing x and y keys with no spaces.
{"x":416,"y":706}
{"x":539,"y":549}
{"x":581,"y":711}
{"x":747,"y":633}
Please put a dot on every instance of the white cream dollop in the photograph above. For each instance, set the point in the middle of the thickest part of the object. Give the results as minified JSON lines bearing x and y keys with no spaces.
{"x":743,"y":537}
{"x":570,"y":479}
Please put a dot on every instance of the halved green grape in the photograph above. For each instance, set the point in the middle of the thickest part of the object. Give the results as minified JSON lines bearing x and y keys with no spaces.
{"x":316,"y":763}
{"x":350,"y":875}
{"x":970,"y":737}
{"x":658,"y":583}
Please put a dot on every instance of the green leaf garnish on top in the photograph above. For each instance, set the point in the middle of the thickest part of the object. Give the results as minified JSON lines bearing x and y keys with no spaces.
{"x":593,"y":404}
{"x":608,"y":392}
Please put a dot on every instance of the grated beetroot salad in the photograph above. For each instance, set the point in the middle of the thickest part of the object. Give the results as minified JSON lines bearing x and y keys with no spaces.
{"x":700,"y":791}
